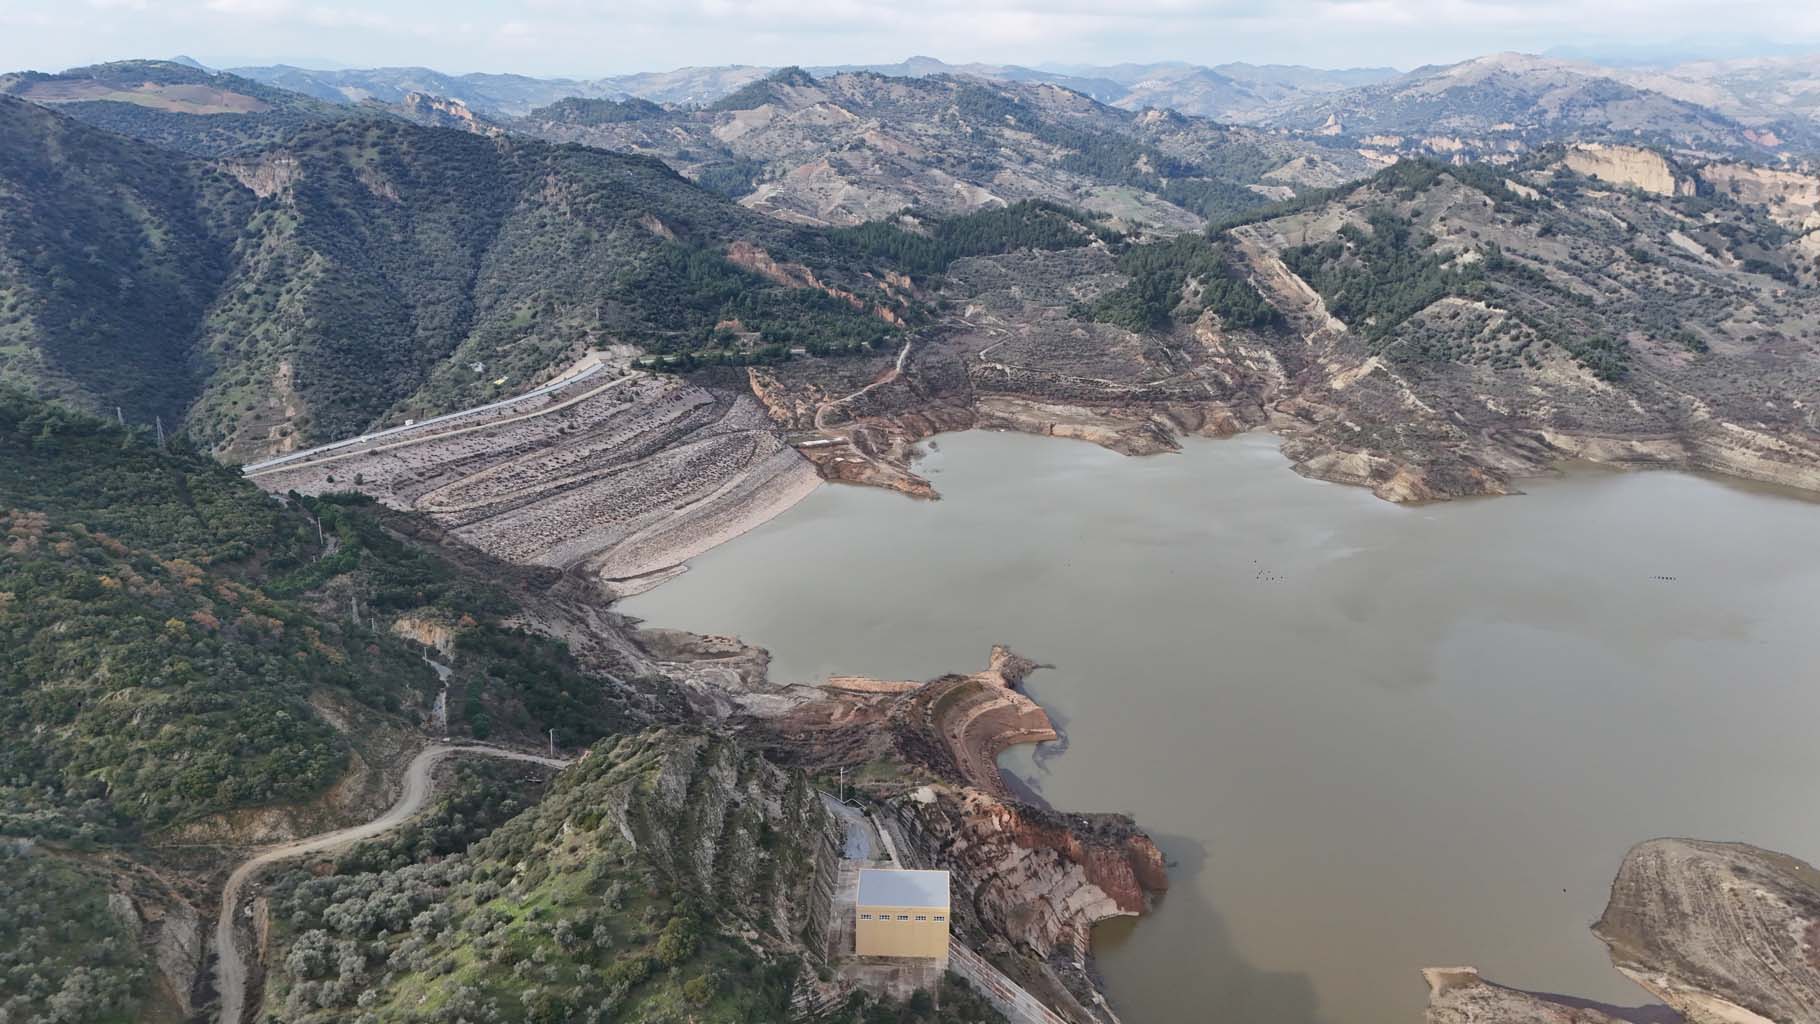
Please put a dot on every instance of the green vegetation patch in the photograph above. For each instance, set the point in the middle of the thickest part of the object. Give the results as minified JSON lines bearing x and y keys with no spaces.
{"x":167,"y":625}
{"x":927,"y":249}
{"x":753,"y":95}
{"x":1163,"y":273}
{"x":1376,"y":278}
{"x":149,"y":680}
{"x":557,"y":915}
{"x":1213,"y":189}
{"x":65,"y":956}
{"x":582,"y":111}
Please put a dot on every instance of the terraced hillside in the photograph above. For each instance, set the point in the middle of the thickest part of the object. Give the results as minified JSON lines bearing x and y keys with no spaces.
{"x":626,"y":478}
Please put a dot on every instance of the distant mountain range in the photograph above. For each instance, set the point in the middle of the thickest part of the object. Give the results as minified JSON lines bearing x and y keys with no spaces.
{"x":835,"y":149}
{"x":1477,"y":108}
{"x":1227,"y":91}
{"x":1507,"y":103}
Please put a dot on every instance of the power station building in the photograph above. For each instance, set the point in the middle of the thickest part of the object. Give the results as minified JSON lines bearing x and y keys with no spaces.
{"x":902,"y":913}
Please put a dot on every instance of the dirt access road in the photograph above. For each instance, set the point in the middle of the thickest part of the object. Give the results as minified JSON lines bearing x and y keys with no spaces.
{"x":896,"y":371}
{"x":231,"y":973}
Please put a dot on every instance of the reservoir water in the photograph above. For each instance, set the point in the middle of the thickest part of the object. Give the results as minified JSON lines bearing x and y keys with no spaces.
{"x":1369,"y":738}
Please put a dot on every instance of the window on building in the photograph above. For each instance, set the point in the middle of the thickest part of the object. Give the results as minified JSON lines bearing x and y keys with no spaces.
{"x":903,"y":917}
{"x":939,"y":917}
{"x":865,"y":917}
{"x":922,"y":917}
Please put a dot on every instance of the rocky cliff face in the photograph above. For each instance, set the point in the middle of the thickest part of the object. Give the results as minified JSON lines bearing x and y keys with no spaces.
{"x":1029,"y":883}
{"x":718,"y":820}
{"x":440,"y":112}
{"x":1036,"y":877}
{"x":1792,"y":198}
{"x":268,"y":175}
{"x":1634,"y":166}
{"x":428,"y":632}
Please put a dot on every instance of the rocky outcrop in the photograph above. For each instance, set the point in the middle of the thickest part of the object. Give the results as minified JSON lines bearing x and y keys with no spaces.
{"x":427,"y":632}
{"x":268,"y":175}
{"x":1632,"y":166}
{"x":949,"y":729}
{"x":1457,"y":995}
{"x":1031,"y":883}
{"x":1791,"y":197}
{"x":442,"y":112}
{"x":171,"y":930}
{"x":1724,"y":932}
{"x":795,"y":275}
{"x":715,"y":819}
{"x":1043,"y":875}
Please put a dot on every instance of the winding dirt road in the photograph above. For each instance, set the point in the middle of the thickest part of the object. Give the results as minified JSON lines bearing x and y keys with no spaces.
{"x":896,"y":371}
{"x":231,"y":972}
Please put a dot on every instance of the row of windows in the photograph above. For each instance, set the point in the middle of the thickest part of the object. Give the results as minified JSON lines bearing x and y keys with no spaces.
{"x":901,"y":917}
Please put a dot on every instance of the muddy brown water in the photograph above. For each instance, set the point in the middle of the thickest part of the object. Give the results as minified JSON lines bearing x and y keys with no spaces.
{"x":1369,"y":738}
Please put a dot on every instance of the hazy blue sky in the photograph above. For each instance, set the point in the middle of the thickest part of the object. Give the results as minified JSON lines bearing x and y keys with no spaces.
{"x":594,"y":37}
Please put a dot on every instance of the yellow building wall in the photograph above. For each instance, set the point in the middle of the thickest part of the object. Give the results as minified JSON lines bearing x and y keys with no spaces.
{"x":885,"y":935}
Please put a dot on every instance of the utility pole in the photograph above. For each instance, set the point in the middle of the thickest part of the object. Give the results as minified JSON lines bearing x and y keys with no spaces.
{"x":160,"y":421}
{"x":843,"y":785}
{"x":354,"y":608}
{"x":552,"y":744}
{"x":119,"y":417}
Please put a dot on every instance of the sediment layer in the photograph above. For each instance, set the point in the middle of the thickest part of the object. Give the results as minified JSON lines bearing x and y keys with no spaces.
{"x":626,"y":481}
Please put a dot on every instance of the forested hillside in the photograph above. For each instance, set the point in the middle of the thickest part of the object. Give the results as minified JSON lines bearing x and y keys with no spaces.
{"x":1180,"y":278}
{"x":668,"y":877}
{"x":110,"y":254}
{"x":372,"y":269}
{"x":301,"y":292}
{"x":64,"y":954}
{"x":169,"y":627}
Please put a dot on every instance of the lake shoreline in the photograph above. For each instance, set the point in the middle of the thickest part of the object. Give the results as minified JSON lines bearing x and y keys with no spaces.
{"x":1223,"y":636}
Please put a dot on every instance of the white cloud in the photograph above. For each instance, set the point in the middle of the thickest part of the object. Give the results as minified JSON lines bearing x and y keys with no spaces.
{"x":252,"y":8}
{"x":604,"y":36}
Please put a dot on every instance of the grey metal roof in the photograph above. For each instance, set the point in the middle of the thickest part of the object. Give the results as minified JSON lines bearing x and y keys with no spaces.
{"x":887,"y":887}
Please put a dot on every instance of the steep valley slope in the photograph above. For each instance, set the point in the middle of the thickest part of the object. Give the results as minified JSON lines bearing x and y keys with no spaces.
{"x":369,"y":269}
